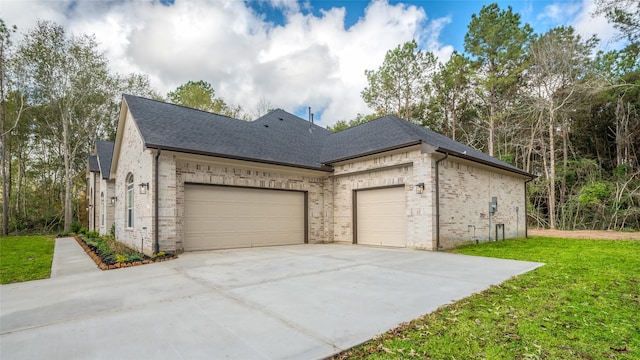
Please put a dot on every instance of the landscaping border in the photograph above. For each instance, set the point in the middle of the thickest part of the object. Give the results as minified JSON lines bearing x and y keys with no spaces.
{"x":98,"y":260}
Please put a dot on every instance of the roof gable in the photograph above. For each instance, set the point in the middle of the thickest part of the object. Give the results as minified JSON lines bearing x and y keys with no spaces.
{"x":93,"y":163}
{"x":391,"y":132}
{"x":278,"y":137}
{"x":104,"y":150}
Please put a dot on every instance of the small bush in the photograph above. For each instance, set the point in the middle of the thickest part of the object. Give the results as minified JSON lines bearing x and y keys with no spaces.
{"x":75,"y":227}
{"x":135,"y":257}
{"x":113,"y":230}
{"x":121,"y":258}
{"x":93,"y":234}
{"x":83,"y":230}
{"x":63,"y":234}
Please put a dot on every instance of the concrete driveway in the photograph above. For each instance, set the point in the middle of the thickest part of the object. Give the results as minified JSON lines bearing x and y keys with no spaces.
{"x":289,"y":302}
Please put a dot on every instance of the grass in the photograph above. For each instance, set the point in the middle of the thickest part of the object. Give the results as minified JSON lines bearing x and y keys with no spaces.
{"x":24,"y":258}
{"x":583,"y":304}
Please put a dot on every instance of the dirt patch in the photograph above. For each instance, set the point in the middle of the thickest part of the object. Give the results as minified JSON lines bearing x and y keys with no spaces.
{"x":586,"y":234}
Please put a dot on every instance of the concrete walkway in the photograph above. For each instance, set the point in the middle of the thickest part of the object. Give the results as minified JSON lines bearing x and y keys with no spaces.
{"x":69,"y":258}
{"x":279,"y":302}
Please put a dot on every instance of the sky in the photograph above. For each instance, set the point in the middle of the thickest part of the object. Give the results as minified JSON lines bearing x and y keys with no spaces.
{"x":286,"y":53}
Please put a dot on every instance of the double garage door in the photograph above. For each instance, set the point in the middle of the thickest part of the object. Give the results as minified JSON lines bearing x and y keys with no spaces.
{"x":381,"y":217}
{"x":223,"y":217}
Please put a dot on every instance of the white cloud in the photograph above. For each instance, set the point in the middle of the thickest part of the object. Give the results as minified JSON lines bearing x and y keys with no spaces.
{"x":311,"y":60}
{"x":588,"y":25}
{"x":579,"y":14}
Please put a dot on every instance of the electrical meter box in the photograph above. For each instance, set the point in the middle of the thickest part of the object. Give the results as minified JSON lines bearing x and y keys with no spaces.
{"x":493,"y":205}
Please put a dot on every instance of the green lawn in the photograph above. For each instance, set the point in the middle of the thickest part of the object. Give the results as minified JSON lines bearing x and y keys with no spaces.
{"x":583,"y":304}
{"x":24,"y":258}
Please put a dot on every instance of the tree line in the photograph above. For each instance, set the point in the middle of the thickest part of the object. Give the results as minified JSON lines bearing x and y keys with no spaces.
{"x":547,"y":103}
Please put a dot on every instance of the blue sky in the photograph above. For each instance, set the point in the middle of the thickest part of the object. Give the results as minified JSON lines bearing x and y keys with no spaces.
{"x":284,"y":53}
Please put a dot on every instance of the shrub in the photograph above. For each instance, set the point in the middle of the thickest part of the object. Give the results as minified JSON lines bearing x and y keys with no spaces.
{"x":63,"y":234}
{"x":75,"y":227}
{"x":113,"y":230}
{"x":83,"y":230}
{"x":135,"y":257}
{"x":121,"y":258}
{"x":93,"y":234}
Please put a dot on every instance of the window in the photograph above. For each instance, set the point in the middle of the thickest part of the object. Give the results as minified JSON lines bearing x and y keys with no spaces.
{"x":130,"y":188}
{"x":102,"y":209}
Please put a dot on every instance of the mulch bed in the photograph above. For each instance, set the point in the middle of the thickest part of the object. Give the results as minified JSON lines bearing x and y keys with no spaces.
{"x":105,"y":266}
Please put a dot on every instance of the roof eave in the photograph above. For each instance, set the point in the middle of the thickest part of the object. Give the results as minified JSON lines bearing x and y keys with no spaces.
{"x":234,"y":157}
{"x":484,"y":162}
{"x":373,"y":152}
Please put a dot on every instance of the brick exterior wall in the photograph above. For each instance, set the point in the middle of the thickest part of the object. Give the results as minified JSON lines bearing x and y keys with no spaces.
{"x":208,"y":170}
{"x":466,"y":189}
{"x":407,"y":167}
{"x":105,"y":206}
{"x":93,"y":201}
{"x":136,"y":160}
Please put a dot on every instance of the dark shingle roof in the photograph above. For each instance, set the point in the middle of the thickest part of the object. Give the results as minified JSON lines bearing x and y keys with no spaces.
{"x":283,"y":138}
{"x":290,"y":141}
{"x":391,"y":132}
{"x":93,"y":163}
{"x":105,"y":154}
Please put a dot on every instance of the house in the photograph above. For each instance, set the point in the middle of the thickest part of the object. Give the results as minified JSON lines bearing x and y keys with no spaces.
{"x":185,"y":180}
{"x":100,"y":189}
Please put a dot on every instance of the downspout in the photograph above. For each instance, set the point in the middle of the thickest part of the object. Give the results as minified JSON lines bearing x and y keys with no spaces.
{"x":446,"y":155}
{"x":156,"y":245}
{"x":526,"y":232}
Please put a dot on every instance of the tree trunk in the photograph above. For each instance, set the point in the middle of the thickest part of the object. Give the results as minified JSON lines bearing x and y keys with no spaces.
{"x":565,"y":163}
{"x":68,"y":210}
{"x":3,"y":155}
{"x":552,"y":174}
{"x":491,"y":124}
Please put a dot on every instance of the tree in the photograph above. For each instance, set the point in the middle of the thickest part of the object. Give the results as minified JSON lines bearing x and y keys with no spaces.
{"x":497,"y":41}
{"x":558,"y":73}
{"x":5,"y":43}
{"x":401,"y":83}
{"x":70,"y":82}
{"x":200,"y":95}
{"x":624,"y":14}
{"x":344,"y":124}
{"x":452,"y":93}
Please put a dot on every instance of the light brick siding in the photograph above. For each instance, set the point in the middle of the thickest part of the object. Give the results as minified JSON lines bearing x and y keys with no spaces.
{"x":105,"y":206}
{"x":208,"y":170}
{"x":465,"y":192}
{"x":466,"y":189}
{"x":136,"y":160}
{"x":93,"y":196}
{"x":407,"y":167}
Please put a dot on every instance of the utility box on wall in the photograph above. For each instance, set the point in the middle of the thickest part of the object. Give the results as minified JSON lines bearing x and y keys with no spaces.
{"x":493,"y":205}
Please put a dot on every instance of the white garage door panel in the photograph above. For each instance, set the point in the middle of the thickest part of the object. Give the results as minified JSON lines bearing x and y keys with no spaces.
{"x":219,"y":217}
{"x":381,"y":217}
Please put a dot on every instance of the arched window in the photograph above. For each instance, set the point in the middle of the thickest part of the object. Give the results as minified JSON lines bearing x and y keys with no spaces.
{"x":102,"y":209}
{"x":129,"y":205}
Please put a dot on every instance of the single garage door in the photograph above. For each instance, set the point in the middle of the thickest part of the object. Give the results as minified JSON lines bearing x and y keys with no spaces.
{"x":223,"y":217}
{"x":381,"y":217}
